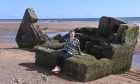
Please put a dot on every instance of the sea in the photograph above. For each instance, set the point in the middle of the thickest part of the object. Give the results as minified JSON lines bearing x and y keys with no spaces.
{"x":128,"y":19}
{"x":10,"y":36}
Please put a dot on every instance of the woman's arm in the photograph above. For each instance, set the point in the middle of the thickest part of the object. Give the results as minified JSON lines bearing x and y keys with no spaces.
{"x":78,"y":48}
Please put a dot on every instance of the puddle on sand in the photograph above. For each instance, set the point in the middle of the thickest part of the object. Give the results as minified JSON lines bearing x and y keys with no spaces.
{"x":7,"y":35}
{"x":11,"y":35}
{"x":136,"y":60}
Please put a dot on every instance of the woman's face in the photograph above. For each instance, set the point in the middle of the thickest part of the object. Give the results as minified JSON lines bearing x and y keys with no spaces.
{"x":72,"y":34}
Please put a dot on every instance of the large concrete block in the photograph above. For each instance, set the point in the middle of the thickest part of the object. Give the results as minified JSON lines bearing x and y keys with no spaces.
{"x":29,"y":33}
{"x":84,"y":68}
{"x":109,"y":25}
{"x":113,"y":57}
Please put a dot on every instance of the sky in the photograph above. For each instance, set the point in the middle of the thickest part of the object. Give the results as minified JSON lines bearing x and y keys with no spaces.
{"x":14,"y":9}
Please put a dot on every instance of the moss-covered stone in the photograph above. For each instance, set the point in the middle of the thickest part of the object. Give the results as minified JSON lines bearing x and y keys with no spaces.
{"x":59,"y":37}
{"x":103,"y":58}
{"x":45,"y":57}
{"x":122,"y":57}
{"x":109,"y":25}
{"x":91,"y":31}
{"x":84,"y":68}
{"x":88,"y":47}
{"x":131,"y":34}
{"x":29,"y":33}
{"x":87,"y":68}
{"x":127,"y":32}
{"x":52,"y":44}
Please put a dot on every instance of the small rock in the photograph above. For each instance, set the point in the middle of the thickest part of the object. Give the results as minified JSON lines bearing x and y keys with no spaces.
{"x":44,"y":78}
{"x":17,"y":80}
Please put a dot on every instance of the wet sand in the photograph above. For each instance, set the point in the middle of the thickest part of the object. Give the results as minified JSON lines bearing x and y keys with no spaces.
{"x":17,"y":65}
{"x":52,"y":26}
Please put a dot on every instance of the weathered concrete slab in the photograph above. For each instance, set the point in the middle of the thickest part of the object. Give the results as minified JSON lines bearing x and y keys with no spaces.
{"x":110,"y":57}
{"x":29,"y":33}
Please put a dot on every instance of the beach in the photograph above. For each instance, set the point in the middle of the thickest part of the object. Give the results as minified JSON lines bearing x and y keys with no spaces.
{"x":17,"y":65}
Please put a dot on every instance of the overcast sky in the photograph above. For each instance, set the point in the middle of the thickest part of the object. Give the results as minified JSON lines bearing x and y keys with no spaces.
{"x":14,"y":9}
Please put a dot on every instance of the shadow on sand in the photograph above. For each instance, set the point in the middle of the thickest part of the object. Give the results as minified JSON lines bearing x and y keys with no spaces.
{"x":47,"y":72}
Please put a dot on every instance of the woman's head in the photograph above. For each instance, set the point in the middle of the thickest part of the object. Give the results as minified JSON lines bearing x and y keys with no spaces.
{"x":72,"y":33}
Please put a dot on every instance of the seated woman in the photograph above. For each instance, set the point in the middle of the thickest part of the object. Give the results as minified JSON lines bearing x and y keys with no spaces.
{"x":71,"y":47}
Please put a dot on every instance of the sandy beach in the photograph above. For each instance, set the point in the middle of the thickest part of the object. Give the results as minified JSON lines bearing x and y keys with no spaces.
{"x":17,"y":65}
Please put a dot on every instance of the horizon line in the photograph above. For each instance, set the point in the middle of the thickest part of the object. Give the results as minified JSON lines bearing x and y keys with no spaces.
{"x":68,"y":18}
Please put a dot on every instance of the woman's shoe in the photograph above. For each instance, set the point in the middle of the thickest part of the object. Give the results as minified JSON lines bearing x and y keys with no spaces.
{"x":56,"y":69}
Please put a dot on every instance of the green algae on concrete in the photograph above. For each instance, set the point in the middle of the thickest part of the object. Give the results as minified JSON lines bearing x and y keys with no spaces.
{"x":87,"y":67}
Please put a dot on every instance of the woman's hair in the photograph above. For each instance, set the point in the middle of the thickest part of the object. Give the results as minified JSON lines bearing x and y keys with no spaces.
{"x":71,"y":31}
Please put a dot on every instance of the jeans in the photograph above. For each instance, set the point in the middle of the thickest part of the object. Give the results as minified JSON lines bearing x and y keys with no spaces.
{"x":61,"y":56}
